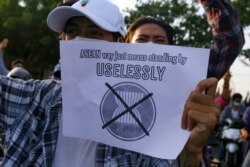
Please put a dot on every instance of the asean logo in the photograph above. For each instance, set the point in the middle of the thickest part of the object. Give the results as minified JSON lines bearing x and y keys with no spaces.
{"x":128,"y":111}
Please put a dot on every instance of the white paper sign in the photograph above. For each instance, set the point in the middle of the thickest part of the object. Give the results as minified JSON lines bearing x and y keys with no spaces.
{"x":129,"y":96}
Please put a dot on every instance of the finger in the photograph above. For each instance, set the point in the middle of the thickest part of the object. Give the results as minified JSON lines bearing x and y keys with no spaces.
{"x":212,"y":90}
{"x":207,"y":84}
{"x":205,"y":109}
{"x":201,"y":98}
{"x":203,"y":121}
{"x":184,"y":119}
{"x":190,"y":123}
{"x":198,"y":113}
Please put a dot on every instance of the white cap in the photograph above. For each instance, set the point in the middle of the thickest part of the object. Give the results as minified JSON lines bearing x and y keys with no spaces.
{"x":103,"y":13}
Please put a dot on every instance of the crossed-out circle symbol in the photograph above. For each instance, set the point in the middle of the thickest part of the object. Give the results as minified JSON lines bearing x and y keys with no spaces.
{"x":128,"y":111}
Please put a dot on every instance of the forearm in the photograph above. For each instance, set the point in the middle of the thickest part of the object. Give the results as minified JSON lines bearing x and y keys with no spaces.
{"x":226,"y":90}
{"x":188,"y":159}
{"x":228,"y":36}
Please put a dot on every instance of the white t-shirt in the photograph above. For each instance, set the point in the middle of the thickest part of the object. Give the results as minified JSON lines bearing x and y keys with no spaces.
{"x":74,"y":152}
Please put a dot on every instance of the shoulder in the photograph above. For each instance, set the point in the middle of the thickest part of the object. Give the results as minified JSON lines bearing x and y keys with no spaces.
{"x":27,"y":89}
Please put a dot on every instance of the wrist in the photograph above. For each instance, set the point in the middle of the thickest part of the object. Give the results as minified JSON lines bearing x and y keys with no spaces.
{"x":190,"y":159}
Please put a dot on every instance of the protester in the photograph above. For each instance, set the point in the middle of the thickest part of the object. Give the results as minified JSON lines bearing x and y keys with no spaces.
{"x":233,"y":111}
{"x":223,"y":20}
{"x":227,"y":32}
{"x":31,"y":111}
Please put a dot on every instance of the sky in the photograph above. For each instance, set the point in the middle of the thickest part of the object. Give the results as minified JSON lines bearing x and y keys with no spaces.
{"x":240,"y":81}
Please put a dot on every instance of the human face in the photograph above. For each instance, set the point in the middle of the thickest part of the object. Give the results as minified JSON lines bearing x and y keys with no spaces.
{"x":83,"y":27}
{"x":236,"y":104}
{"x":150,"y":32}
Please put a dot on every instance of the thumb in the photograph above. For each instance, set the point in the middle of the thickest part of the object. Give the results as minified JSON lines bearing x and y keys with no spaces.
{"x":212,"y":90}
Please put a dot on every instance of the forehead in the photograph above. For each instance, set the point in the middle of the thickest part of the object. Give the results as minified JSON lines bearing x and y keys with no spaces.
{"x":150,"y":28}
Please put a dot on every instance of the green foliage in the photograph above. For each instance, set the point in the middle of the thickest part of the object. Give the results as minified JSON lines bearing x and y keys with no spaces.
{"x":180,"y":15}
{"x":29,"y":36}
{"x":243,"y":8}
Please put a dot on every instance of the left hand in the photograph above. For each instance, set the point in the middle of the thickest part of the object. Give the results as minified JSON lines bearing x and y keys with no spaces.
{"x":200,"y":116}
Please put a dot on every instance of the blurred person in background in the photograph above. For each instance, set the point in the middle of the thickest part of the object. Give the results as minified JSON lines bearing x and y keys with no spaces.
{"x":234,"y":110}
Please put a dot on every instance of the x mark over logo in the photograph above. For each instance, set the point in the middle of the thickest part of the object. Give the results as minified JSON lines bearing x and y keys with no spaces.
{"x":128,"y":109}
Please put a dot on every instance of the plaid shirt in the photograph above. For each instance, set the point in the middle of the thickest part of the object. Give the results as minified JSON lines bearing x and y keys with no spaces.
{"x":30,"y":111}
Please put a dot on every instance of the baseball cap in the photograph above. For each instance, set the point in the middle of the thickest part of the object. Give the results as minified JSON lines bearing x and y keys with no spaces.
{"x":103,"y":13}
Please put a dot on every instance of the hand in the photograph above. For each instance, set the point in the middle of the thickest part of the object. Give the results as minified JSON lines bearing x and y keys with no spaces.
{"x":244,"y":134}
{"x":227,"y":76}
{"x":200,"y":116}
{"x":4,"y":44}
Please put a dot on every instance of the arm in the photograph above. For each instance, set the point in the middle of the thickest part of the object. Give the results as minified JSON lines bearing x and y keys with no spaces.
{"x":18,"y":97}
{"x":226,"y":87}
{"x":3,"y":45}
{"x":200,"y":116}
{"x":228,"y":36}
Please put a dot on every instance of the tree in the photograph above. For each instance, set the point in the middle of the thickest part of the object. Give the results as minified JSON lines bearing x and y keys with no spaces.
{"x":181,"y":15}
{"x":24,"y":23}
{"x":243,"y":6}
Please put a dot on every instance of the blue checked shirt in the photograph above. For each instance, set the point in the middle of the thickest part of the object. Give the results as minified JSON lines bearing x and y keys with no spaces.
{"x":30,"y":111}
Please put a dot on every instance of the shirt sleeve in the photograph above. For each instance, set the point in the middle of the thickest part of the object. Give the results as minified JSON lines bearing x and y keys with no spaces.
{"x":15,"y":97}
{"x":228,"y":36}
{"x":23,"y":99}
{"x":3,"y":69}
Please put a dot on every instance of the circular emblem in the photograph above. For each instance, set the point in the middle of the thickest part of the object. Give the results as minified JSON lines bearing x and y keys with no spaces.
{"x":128,"y":111}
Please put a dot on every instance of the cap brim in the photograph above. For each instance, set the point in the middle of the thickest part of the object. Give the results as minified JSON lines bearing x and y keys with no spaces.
{"x":58,"y":17}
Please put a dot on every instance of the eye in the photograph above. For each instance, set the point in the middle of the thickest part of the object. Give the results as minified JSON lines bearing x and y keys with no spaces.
{"x":160,"y":41}
{"x":95,"y":34}
{"x":141,"y":40}
{"x":72,"y":32}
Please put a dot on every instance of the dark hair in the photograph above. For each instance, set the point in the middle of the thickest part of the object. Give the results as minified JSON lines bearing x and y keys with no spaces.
{"x":237,"y":95}
{"x":148,"y":19}
{"x":68,"y":3}
{"x":15,"y":62}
